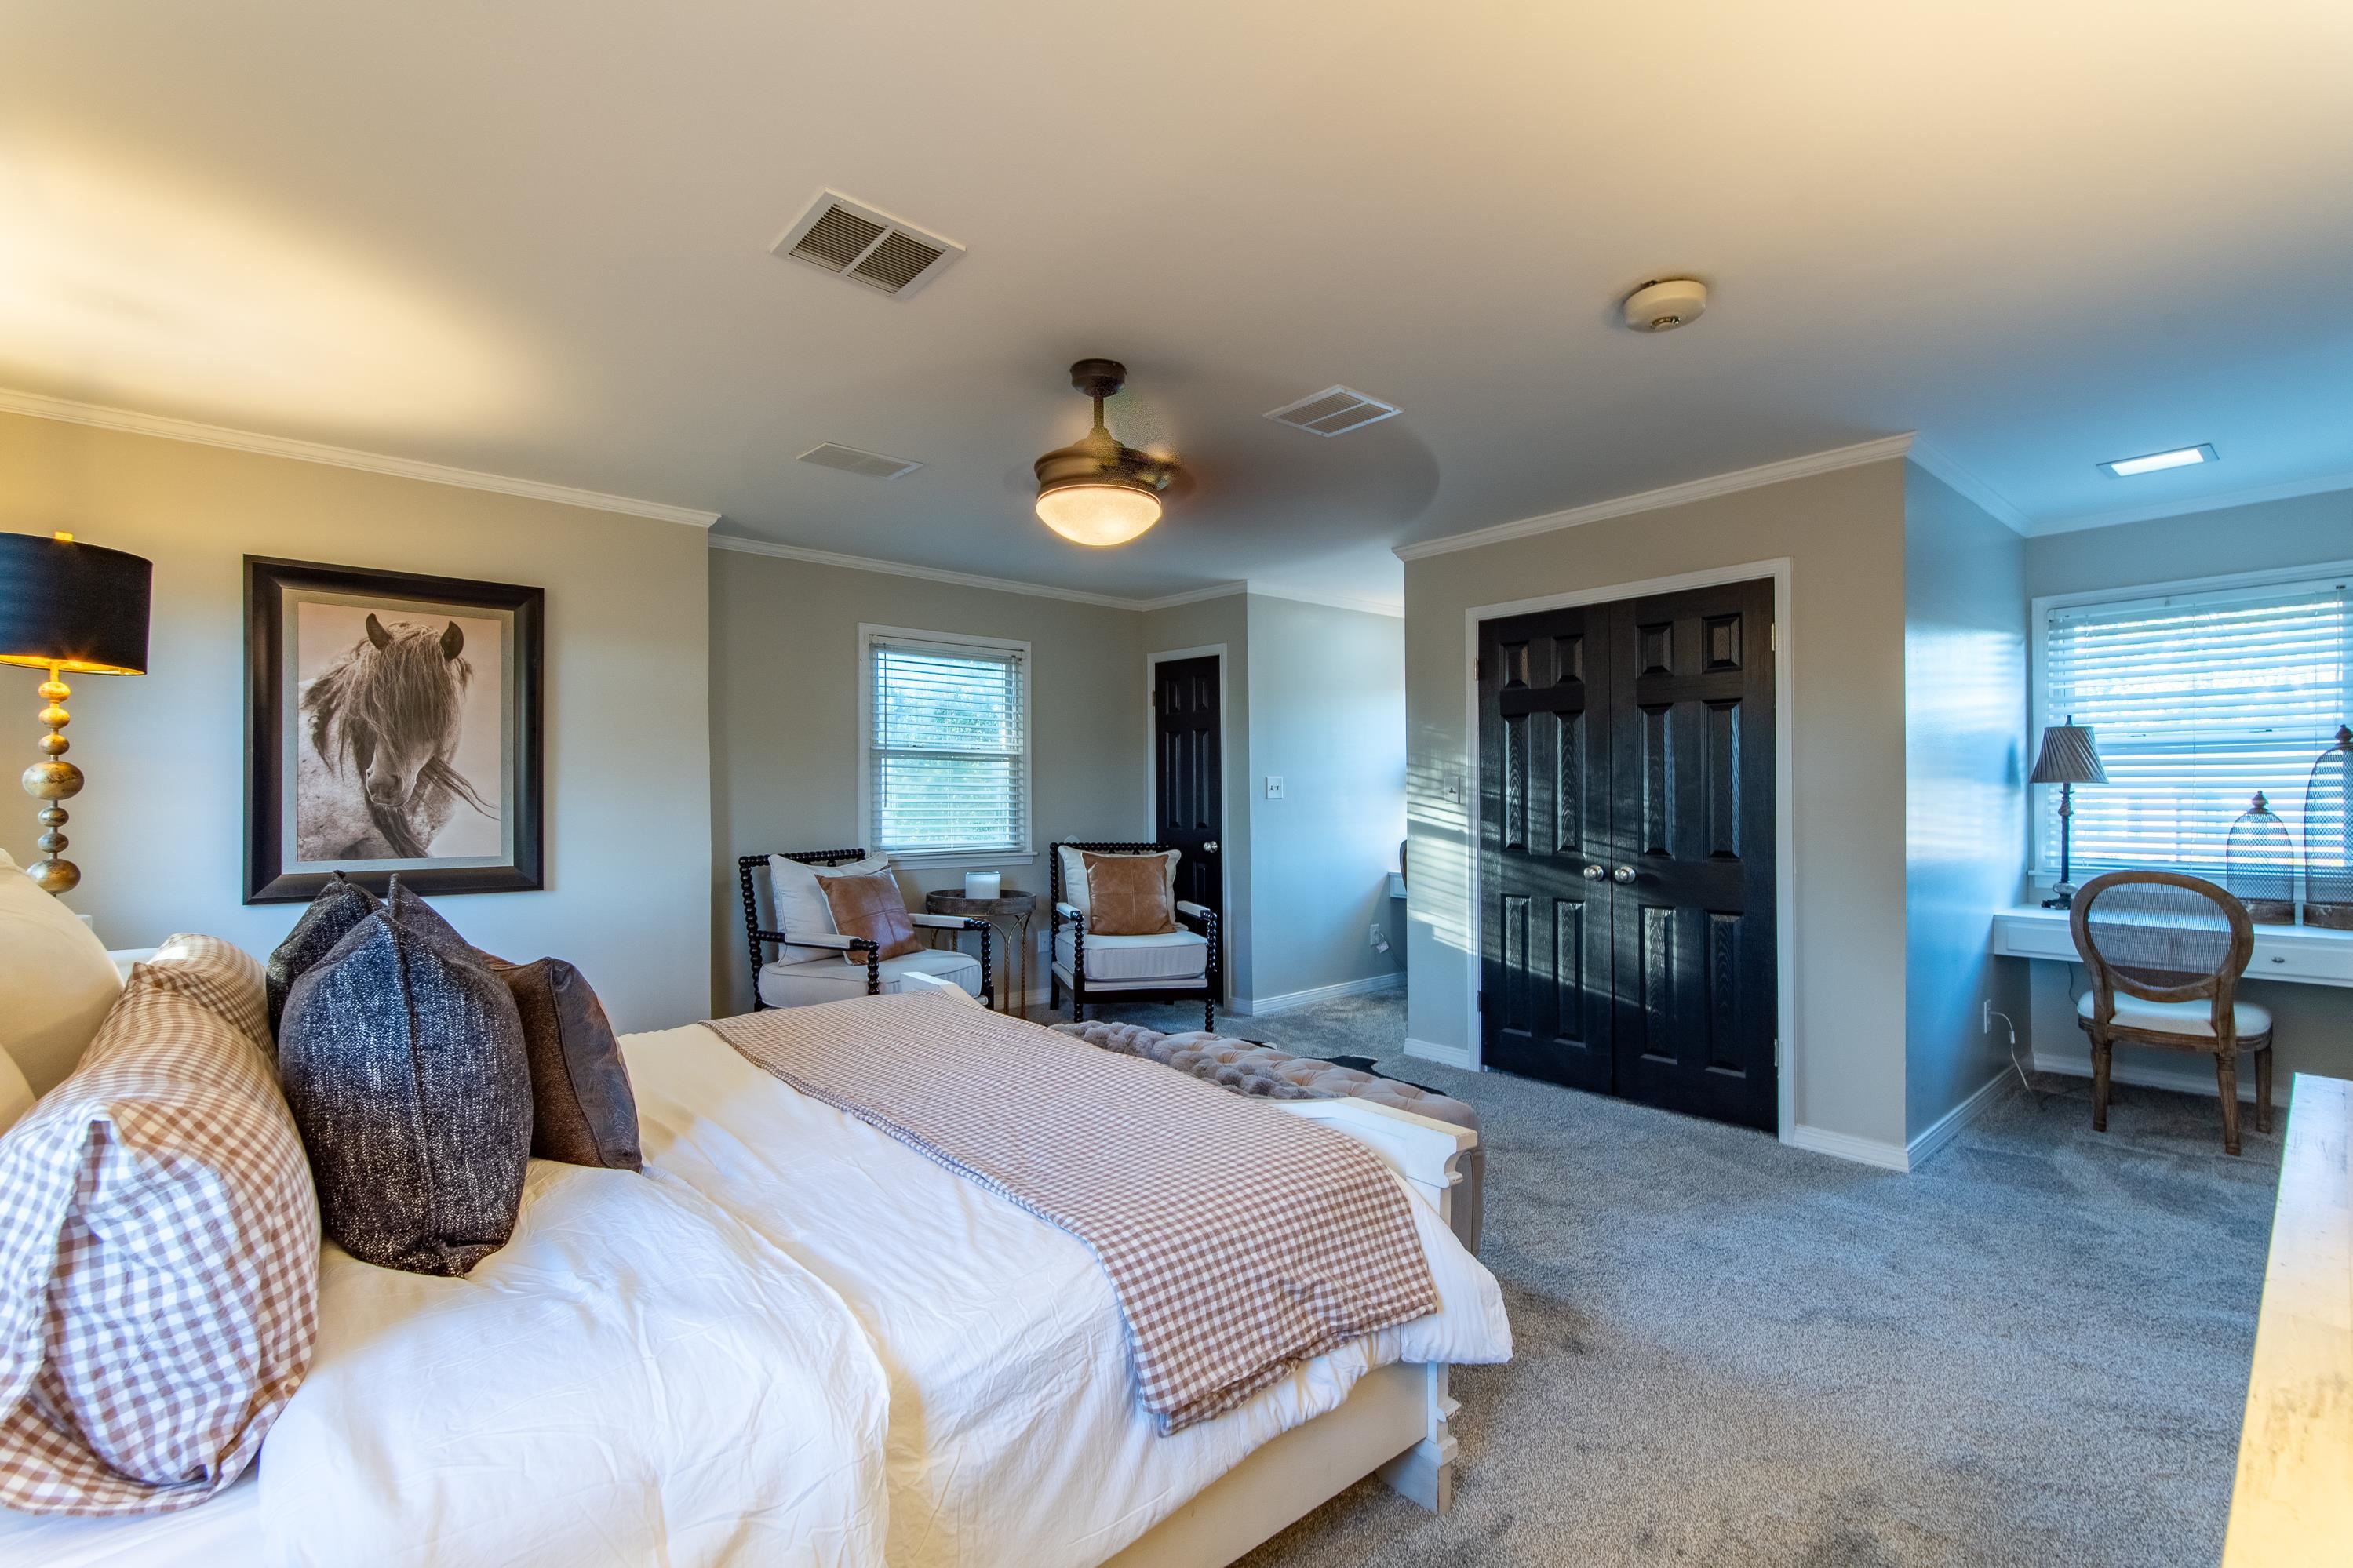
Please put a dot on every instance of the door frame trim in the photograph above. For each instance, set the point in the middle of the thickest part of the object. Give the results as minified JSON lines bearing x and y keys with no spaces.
{"x":1151,"y":663}
{"x":1785,"y":751}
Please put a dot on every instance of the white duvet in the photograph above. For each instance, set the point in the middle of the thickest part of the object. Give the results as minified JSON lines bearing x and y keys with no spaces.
{"x":792,"y":1341}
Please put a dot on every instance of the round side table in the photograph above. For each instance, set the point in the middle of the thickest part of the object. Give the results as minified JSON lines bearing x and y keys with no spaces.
{"x":1011,"y":913}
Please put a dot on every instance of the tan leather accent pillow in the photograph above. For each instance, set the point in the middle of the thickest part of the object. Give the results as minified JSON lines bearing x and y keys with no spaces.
{"x":872,"y":907}
{"x":1130,"y":895}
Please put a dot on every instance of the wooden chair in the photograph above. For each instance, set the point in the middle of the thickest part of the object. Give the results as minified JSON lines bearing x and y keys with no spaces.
{"x":2165,"y":952}
{"x":1180,"y":966}
{"x":782,"y":985}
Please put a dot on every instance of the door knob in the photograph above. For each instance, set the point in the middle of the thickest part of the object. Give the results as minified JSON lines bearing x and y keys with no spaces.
{"x":1594,"y":873}
{"x":1623,"y":875}
{"x":1210,"y":847}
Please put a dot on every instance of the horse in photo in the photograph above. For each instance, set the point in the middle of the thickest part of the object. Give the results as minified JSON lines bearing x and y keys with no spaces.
{"x":374,"y":779}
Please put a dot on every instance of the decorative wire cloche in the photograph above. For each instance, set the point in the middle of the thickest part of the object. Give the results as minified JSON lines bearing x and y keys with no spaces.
{"x":2259,"y":861}
{"x":2328,"y":836}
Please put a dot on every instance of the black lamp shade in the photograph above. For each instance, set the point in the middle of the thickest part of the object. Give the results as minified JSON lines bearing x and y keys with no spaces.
{"x":78,"y":606}
{"x":2068,"y":756}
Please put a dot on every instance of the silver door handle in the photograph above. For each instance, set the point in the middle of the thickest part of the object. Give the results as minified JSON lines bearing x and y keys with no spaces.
{"x":1594,"y":873}
{"x":1210,"y":847}
{"x":1623,"y":876}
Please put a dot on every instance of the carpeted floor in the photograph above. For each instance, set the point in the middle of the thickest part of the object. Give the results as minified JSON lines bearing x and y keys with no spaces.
{"x":2032,"y":1350}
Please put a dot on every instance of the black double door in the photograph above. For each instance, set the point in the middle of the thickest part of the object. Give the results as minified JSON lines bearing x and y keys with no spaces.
{"x":1626,"y":849}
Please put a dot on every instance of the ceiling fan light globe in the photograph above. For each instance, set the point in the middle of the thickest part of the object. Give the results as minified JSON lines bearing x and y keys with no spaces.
{"x":1099,"y":514}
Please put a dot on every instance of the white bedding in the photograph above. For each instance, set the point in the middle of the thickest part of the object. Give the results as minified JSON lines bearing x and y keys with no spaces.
{"x":1013,"y":1433}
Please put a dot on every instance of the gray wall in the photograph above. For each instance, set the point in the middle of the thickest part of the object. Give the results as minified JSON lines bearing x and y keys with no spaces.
{"x":2313,"y":1024}
{"x":159,"y":830}
{"x":1327,"y":715}
{"x":1844,"y":532}
{"x":1964,"y":780}
{"x":1205,"y":624}
{"x":784,"y":678}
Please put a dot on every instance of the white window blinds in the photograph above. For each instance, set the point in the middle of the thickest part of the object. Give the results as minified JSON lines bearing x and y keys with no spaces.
{"x":948,"y":758}
{"x":2198,"y":699}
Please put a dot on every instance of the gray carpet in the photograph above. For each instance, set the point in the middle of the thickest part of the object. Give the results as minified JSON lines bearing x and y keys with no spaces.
{"x":2031,"y":1350}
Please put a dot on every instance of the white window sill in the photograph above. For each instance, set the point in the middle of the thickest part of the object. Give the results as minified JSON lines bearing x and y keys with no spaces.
{"x":952,"y":860}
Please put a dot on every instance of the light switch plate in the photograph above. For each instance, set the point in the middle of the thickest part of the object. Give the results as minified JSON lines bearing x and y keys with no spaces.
{"x":1275,"y":786}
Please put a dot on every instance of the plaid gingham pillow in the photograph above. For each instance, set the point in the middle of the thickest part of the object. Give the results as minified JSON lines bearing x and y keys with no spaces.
{"x":159,"y":1251}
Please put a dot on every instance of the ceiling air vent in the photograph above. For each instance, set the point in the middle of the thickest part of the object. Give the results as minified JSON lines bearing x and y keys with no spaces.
{"x":851,"y":460}
{"x":865,"y":244}
{"x":1335,"y":411}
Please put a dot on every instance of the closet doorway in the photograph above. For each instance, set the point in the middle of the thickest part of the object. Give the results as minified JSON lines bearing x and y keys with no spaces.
{"x":1627,"y":848}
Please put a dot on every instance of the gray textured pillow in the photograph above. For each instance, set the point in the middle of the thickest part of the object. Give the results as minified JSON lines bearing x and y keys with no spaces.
{"x":340,"y":906}
{"x":403,"y":1061}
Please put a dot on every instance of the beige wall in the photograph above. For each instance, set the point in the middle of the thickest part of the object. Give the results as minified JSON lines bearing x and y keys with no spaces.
{"x":159,"y":830}
{"x":1844,"y":532}
{"x":1965,"y":792}
{"x":784,"y":722}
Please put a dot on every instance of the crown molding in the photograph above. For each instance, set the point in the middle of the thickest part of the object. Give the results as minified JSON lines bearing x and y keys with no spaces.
{"x":1875,"y":451}
{"x":927,"y":574}
{"x":39,"y":406}
{"x":2290,"y":490}
{"x":1941,"y":464}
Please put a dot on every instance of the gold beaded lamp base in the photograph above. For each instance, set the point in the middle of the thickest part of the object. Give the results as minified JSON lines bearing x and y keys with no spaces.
{"x":52,"y":780}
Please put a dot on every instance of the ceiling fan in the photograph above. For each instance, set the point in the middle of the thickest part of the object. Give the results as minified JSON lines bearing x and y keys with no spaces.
{"x":1096,"y":491}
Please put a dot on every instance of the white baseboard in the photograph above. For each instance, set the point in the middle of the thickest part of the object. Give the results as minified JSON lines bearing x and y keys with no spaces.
{"x":2197,"y":1080}
{"x":1431,"y":1051}
{"x":1947,"y":1126}
{"x":1259,"y":1007}
{"x":1846,"y":1146}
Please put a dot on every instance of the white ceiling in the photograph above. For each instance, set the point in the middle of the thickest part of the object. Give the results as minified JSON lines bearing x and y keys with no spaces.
{"x":532,"y":238}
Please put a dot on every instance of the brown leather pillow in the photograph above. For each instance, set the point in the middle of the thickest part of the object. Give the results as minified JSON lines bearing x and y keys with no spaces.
{"x":582,"y":1112}
{"x":1131,"y":895}
{"x":872,"y":907}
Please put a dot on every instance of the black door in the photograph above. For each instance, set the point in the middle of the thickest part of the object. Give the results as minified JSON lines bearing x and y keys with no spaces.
{"x":1188,"y":792}
{"x":1627,"y":877}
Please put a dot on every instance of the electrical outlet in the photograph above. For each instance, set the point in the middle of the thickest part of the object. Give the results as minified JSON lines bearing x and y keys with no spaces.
{"x":1275,"y":786}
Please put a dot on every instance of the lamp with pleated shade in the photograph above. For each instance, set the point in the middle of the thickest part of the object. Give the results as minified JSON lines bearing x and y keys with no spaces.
{"x":68,"y":606}
{"x":2067,"y":759}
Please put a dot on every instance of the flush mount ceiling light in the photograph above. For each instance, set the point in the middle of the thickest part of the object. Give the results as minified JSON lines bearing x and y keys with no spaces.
{"x":1666,"y":304}
{"x":2157,"y":462}
{"x":1095,"y":491}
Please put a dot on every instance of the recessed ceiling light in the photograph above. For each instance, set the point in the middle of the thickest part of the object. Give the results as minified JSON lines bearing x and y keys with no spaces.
{"x":2179,"y":457}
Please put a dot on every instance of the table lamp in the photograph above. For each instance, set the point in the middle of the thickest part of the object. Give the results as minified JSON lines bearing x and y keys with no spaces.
{"x":2068,"y":758}
{"x":68,"y":606}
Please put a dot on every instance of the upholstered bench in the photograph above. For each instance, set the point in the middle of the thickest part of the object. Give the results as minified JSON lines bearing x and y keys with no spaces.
{"x":1248,"y":1069}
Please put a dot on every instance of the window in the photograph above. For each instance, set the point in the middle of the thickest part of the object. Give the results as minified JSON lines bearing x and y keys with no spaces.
{"x":2200,"y":695}
{"x":946,"y":769}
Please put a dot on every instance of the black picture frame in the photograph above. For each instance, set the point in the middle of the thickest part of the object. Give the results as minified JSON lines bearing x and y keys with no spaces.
{"x":268,"y":792}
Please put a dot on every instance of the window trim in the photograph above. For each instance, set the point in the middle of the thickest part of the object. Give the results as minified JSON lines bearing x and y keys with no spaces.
{"x":867,"y":635}
{"x":2038,"y":717}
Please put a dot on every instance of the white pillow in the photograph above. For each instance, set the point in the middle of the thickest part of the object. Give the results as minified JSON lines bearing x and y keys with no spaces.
{"x":799,"y":903}
{"x":56,"y":981}
{"x":1074,"y":876}
{"x":16,"y":1094}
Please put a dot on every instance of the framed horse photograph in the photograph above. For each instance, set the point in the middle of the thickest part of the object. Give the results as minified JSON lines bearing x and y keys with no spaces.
{"x":393,"y":724}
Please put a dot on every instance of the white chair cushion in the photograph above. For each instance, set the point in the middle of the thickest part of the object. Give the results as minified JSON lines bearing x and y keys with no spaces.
{"x":1074,"y":878}
{"x":799,"y":902}
{"x":55,"y":982}
{"x":1171,"y":958}
{"x":830,"y":979}
{"x":2250,"y":1018}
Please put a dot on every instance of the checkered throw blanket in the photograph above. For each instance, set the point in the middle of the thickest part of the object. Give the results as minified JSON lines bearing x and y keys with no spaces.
{"x":1239,"y":1241}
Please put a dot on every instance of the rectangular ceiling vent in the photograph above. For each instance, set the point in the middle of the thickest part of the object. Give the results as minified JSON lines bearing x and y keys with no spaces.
{"x":851,"y":460}
{"x":865,"y":244}
{"x":1335,"y":411}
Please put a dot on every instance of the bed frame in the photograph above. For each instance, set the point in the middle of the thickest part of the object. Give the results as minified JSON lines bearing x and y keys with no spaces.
{"x":1393,"y":1423}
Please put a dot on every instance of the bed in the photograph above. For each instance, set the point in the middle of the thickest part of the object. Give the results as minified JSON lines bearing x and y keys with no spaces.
{"x":926,"y":1374}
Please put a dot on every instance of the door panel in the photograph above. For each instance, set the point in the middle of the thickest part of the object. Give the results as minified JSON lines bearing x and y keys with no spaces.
{"x":1188,"y":785}
{"x":1546,"y":963}
{"x":1634,"y":738}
